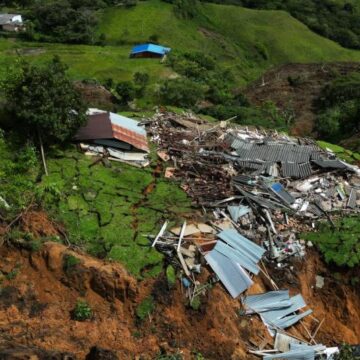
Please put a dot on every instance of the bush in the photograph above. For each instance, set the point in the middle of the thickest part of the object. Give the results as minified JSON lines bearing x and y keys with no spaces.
{"x":125,"y":91}
{"x":346,"y":353}
{"x":328,"y":123}
{"x":82,"y":311}
{"x":145,"y":308}
{"x":171,"y":276}
{"x":181,"y":92}
{"x":341,"y":245}
{"x":70,"y":262}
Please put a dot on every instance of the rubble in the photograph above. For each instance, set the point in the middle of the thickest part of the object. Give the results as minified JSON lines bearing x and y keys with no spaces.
{"x":258,"y":190}
{"x":257,"y":179}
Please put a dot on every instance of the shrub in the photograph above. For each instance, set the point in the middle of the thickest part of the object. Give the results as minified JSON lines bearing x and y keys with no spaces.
{"x":171,"y":276}
{"x":82,"y":311}
{"x":70,"y":262}
{"x":346,"y":353}
{"x":340,"y":245}
{"x":145,"y":308}
{"x":181,"y":92}
{"x":125,"y":91}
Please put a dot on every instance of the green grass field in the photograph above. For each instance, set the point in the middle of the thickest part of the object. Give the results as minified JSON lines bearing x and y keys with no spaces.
{"x":108,"y":206}
{"x":248,"y":41}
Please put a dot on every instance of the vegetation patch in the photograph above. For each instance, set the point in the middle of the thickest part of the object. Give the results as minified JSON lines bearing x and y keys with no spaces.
{"x":145,"y":308}
{"x":70,"y":262}
{"x":340,"y":245}
{"x":82,"y":311}
{"x":107,"y":210}
{"x":342,"y":153}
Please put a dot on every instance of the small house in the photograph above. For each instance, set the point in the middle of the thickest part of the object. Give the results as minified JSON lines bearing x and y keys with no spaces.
{"x":11,"y":22}
{"x":149,"y":51}
{"x":111,"y":130}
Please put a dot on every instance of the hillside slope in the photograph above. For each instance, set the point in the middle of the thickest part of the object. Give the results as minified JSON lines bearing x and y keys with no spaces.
{"x":248,"y":41}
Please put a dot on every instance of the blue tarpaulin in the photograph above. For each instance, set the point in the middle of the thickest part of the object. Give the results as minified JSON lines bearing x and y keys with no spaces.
{"x":156,"y":49}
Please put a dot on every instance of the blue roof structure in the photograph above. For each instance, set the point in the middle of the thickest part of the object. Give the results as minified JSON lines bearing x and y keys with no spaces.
{"x":156,"y":49}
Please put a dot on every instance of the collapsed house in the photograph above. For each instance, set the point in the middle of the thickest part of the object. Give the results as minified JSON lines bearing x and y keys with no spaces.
{"x":261,"y":189}
{"x":149,"y":51}
{"x":114,"y":136}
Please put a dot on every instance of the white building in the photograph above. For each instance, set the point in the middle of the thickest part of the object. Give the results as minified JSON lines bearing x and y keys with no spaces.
{"x":11,"y":22}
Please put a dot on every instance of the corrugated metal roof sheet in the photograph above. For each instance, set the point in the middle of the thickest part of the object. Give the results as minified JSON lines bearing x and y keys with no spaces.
{"x":297,"y":303}
{"x":276,"y":308}
{"x":282,"y":193}
{"x":156,"y":49}
{"x":236,"y":212}
{"x":283,"y":341}
{"x":352,"y":199}
{"x":305,"y":170}
{"x":290,"y":320}
{"x":290,"y":169}
{"x":241,"y":243}
{"x":303,"y":354}
{"x":112,"y":126}
{"x":231,"y":274}
{"x":268,"y":301}
{"x":237,"y":256}
{"x":330,"y":164}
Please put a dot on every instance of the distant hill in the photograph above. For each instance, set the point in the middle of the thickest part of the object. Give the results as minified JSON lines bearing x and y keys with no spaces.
{"x":248,"y":41}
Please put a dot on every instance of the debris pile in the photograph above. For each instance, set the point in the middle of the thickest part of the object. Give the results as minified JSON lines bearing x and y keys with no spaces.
{"x":261,"y":189}
{"x":289,"y":347}
{"x":276,"y":308}
{"x":268,"y":185}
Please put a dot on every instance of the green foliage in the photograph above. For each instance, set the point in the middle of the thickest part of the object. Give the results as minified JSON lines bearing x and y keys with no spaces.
{"x":343,"y":88}
{"x":267,"y":115}
{"x":181,"y":92}
{"x":185,"y":9}
{"x":335,"y":20}
{"x":82,"y":311}
{"x":171,"y":276}
{"x":197,"y":355}
{"x":341,"y":245}
{"x":67,"y":21}
{"x":125,"y":91}
{"x":346,"y":353}
{"x":44,"y":101}
{"x":94,"y":203}
{"x":145,"y":308}
{"x":13,"y":273}
{"x":339,"y":105}
{"x":141,"y":79}
{"x":18,"y":172}
{"x":70,"y":262}
{"x":24,"y":240}
{"x":195,"y":304}
{"x":176,"y":356}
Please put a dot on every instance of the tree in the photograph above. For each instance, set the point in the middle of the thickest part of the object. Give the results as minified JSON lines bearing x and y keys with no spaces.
{"x":181,"y":92}
{"x":125,"y":91}
{"x":60,"y":22}
{"x":44,"y":102}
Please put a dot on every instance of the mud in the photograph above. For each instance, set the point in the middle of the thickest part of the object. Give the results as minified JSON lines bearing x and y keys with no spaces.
{"x":294,"y":88}
{"x":36,"y":305}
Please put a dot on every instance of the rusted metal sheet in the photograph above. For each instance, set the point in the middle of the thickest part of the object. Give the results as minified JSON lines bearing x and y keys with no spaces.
{"x":106,"y":125}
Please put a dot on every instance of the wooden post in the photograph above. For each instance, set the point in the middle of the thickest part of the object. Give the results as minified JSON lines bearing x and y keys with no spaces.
{"x":42,"y":153}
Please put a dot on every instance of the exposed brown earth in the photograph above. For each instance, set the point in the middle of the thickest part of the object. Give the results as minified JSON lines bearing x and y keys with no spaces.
{"x":294,"y":88}
{"x":36,"y":304}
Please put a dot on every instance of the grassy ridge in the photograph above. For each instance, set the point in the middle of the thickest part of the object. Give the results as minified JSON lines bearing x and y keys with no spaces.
{"x":248,"y":41}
